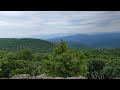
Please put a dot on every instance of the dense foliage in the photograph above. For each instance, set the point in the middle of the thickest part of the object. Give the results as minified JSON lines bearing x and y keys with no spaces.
{"x":65,"y":63}
{"x":12,"y":44}
{"x":62,"y":62}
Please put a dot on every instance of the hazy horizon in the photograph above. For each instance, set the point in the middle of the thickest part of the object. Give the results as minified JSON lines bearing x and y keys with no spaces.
{"x":29,"y":23}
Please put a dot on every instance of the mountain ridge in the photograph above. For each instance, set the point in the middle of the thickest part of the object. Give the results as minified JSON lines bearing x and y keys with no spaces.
{"x":14,"y":44}
{"x":100,"y":40}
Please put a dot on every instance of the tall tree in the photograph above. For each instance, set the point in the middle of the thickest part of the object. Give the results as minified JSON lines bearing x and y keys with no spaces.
{"x":64,"y":62}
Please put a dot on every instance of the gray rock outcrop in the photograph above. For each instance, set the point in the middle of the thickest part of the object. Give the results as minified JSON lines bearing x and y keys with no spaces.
{"x":43,"y":76}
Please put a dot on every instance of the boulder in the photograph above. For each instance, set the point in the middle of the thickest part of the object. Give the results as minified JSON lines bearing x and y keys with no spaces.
{"x":21,"y":76}
{"x":43,"y":76}
{"x":79,"y":77}
{"x":59,"y":78}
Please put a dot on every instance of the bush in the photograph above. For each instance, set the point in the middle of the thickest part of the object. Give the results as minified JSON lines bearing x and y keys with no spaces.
{"x":25,"y":54}
{"x":112,"y":69}
{"x":18,"y":71}
{"x":95,"y":67}
{"x":64,"y":63}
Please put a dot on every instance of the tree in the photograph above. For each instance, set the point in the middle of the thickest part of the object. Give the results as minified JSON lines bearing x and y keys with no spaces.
{"x":40,"y":56}
{"x":36,"y":68}
{"x":2,"y":54}
{"x":25,"y":54}
{"x":64,"y":63}
{"x":7,"y":63}
{"x":112,"y":69}
{"x":18,"y":71}
{"x":95,"y":67}
{"x":60,"y":48}
{"x":81,"y":55}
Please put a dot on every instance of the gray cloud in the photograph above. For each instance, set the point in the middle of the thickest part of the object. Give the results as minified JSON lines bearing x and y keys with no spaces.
{"x":25,"y":23}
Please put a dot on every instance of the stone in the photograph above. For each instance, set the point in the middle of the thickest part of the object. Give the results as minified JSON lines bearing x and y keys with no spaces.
{"x":59,"y":78}
{"x":43,"y":76}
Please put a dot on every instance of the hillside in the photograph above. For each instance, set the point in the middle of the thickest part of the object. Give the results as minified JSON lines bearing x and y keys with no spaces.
{"x":63,"y":63}
{"x":12,"y":44}
{"x":103,"y":40}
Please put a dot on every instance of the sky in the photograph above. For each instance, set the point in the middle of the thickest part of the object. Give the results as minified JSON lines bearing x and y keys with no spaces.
{"x":29,"y":23}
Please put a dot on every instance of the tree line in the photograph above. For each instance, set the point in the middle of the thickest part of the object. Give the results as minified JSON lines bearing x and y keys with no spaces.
{"x":62,"y":62}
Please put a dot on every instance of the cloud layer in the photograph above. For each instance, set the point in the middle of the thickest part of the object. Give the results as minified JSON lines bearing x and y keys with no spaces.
{"x":27,"y":23}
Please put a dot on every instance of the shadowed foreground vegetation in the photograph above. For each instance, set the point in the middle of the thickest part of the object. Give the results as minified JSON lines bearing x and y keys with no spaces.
{"x":62,"y":62}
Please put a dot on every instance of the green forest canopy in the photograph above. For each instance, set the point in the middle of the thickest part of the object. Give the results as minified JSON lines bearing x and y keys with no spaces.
{"x":62,"y":62}
{"x":13,"y":44}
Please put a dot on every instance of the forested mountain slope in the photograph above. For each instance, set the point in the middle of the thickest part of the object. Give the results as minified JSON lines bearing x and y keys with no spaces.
{"x":103,"y":40}
{"x":12,"y":44}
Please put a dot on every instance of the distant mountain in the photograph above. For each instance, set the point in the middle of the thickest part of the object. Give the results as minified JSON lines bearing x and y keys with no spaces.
{"x":12,"y":44}
{"x":101,"y":40}
{"x":47,"y":36}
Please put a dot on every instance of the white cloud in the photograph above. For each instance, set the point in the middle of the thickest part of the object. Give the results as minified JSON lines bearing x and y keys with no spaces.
{"x":21,"y":23}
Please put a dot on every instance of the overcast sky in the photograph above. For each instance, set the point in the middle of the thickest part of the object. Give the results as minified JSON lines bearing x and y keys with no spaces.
{"x":27,"y":23}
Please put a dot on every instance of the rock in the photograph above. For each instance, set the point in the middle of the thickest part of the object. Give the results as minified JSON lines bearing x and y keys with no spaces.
{"x":59,"y":78}
{"x":43,"y":76}
{"x":79,"y":77}
{"x":21,"y":76}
